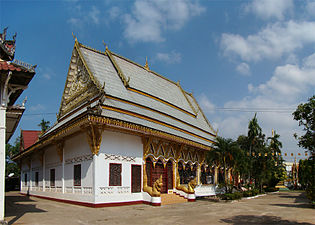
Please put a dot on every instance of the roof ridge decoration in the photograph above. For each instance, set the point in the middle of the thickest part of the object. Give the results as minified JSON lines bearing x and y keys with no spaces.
{"x":183,"y":92}
{"x":146,"y":66}
{"x":119,"y":71}
{"x":202,"y":113}
{"x":81,"y":84}
{"x":143,"y":67}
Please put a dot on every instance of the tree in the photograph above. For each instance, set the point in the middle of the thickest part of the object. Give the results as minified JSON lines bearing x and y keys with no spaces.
{"x":11,"y":150}
{"x":305,"y":114}
{"x":224,"y":155}
{"x":44,"y":125}
{"x":278,"y":168}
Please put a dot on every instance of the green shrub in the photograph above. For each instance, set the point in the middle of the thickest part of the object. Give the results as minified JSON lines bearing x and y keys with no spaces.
{"x":255,"y":192}
{"x":231,"y":196}
{"x":271,"y":189}
{"x":247,"y":194}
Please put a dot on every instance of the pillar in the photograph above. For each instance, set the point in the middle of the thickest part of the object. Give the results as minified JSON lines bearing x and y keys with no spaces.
{"x":2,"y":158}
{"x":215,"y":174}
{"x":44,"y":171}
{"x":63,"y":170}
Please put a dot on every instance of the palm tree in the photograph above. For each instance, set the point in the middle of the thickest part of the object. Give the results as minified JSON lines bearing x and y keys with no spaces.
{"x":223,"y":154}
{"x":44,"y":125}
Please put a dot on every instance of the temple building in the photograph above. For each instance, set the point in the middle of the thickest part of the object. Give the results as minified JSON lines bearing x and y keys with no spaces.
{"x":124,"y":135}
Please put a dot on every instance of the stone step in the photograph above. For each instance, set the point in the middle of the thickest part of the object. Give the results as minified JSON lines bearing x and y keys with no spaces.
{"x":167,"y":199}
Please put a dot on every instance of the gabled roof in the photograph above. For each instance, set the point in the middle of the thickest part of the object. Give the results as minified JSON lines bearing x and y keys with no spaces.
{"x":28,"y":138}
{"x":131,"y":93}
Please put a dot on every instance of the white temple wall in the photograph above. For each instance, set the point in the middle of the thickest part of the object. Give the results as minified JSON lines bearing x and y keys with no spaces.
{"x":122,"y":149}
{"x":77,"y":151}
{"x":36,"y":166}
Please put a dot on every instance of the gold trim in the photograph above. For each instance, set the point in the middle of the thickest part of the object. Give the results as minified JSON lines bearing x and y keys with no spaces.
{"x":160,"y":100}
{"x":156,"y":111}
{"x":155,"y":121}
{"x":77,"y":46}
{"x":119,"y":71}
{"x":94,"y":136}
{"x":183,"y":92}
{"x":59,"y":148}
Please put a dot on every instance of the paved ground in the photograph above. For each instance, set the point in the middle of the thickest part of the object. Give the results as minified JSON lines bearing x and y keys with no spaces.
{"x":284,"y":208}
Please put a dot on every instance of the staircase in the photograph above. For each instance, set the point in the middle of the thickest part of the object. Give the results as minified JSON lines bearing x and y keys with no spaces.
{"x":167,"y":199}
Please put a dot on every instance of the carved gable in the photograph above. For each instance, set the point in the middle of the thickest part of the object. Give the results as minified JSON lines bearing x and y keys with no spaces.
{"x":79,"y":87}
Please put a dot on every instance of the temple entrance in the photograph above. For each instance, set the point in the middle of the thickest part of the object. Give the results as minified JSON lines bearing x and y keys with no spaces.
{"x":154,"y":173}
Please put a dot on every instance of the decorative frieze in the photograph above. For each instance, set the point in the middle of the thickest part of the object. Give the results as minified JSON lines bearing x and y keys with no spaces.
{"x":53,"y":164}
{"x":36,"y":168}
{"x":114,"y":190}
{"x":120,"y":158}
{"x":78,"y":159}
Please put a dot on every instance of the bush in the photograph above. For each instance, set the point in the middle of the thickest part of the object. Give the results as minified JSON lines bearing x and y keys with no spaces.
{"x":231,"y":196}
{"x":255,"y":192}
{"x":247,"y":193}
{"x":271,"y":189}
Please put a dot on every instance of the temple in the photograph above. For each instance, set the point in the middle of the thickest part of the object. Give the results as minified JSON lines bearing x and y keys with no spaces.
{"x":124,"y":135}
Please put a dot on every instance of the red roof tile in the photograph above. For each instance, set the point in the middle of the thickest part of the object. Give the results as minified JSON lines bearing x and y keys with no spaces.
{"x":4,"y":65}
{"x":28,"y":138}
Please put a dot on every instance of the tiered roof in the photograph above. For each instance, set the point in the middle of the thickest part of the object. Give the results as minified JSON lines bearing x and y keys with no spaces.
{"x":135,"y":94}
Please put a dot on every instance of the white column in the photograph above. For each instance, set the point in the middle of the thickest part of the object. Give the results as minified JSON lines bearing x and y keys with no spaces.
{"x":63,"y":170}
{"x":44,"y":169}
{"x":94,"y":177}
{"x":30,"y":174}
{"x":2,"y":158}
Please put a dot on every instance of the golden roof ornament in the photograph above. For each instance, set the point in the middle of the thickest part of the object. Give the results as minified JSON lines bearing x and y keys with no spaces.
{"x":146,"y":66}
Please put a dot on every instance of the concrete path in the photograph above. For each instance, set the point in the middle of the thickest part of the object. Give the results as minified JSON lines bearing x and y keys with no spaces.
{"x":284,"y":208}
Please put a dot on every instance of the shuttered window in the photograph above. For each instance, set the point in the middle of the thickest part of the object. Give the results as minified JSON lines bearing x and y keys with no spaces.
{"x":52,"y":178}
{"x":77,"y":175}
{"x":36,"y":179}
{"x":135,"y":178}
{"x":114,"y":174}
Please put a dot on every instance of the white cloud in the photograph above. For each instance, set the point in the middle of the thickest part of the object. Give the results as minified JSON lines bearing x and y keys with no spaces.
{"x":81,"y":16}
{"x":94,"y":15}
{"x":268,"y":9}
{"x":170,"y":58}
{"x":37,"y":108}
{"x":206,"y":105}
{"x":310,"y":7}
{"x":272,"y":42}
{"x":280,"y":95}
{"x":114,"y":12}
{"x":243,"y":68}
{"x":148,"y":18}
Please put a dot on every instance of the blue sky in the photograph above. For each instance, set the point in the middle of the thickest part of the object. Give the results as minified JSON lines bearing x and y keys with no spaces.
{"x":237,"y":57}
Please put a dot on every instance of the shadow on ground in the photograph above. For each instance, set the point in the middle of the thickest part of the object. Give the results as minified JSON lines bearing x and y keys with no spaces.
{"x":16,"y":206}
{"x":255,"y":220}
{"x":301,"y":199}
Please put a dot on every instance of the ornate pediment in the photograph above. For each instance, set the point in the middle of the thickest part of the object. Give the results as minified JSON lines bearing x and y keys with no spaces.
{"x":79,"y":86}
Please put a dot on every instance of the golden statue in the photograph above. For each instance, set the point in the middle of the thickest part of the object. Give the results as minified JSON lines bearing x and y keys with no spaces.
{"x":154,"y":191}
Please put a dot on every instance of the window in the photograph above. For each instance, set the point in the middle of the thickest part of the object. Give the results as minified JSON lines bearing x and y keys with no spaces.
{"x":114,"y":174}
{"x":77,"y":175}
{"x":25,"y":179}
{"x":135,"y":178}
{"x":36,"y":179}
{"x":52,"y":177}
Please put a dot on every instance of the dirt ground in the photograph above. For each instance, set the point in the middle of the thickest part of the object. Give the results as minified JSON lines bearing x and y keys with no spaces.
{"x":286,"y":208}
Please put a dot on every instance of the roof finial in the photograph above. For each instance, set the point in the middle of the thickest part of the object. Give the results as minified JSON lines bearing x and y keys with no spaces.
{"x":106,"y":47}
{"x":146,"y":66}
{"x":75,"y":38}
{"x":273,"y":133}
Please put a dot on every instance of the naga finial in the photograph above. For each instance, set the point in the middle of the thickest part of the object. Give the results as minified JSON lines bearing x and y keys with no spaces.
{"x":146,"y":66}
{"x":75,"y":38}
